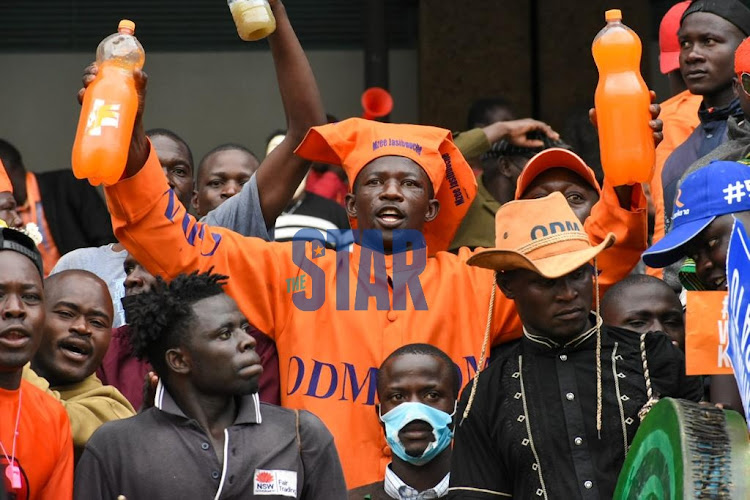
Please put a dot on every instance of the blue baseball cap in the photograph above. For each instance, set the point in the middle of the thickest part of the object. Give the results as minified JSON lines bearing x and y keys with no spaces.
{"x":722,"y":187}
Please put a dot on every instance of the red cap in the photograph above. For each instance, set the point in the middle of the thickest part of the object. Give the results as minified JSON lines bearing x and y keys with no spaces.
{"x":554,"y":158}
{"x":669,"y":45}
{"x":742,"y":57}
{"x":5,"y":184}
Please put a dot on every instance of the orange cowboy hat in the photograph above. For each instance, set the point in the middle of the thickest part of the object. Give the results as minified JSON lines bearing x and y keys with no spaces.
{"x":542,"y":235}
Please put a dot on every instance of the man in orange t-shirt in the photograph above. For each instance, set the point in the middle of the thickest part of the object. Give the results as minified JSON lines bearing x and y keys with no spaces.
{"x":679,"y":113}
{"x":334,"y":318}
{"x":36,"y":460}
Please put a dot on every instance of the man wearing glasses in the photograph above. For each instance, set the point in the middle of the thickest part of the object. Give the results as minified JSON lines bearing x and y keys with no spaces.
{"x":710,"y":32}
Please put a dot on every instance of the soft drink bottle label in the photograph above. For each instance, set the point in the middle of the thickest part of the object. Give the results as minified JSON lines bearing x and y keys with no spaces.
{"x":102,"y":115}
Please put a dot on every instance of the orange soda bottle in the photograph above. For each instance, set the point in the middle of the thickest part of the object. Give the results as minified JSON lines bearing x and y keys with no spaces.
{"x":253,"y":18}
{"x":105,"y":125}
{"x":622,"y":100}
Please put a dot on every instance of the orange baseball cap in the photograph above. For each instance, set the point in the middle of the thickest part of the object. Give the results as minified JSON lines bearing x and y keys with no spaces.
{"x":669,"y":45}
{"x":542,"y":235}
{"x":5,"y":184}
{"x":355,"y":142}
{"x":554,"y":158}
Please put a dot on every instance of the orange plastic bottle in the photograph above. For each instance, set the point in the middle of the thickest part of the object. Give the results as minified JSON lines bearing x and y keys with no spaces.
{"x":622,"y":100}
{"x":109,"y":107}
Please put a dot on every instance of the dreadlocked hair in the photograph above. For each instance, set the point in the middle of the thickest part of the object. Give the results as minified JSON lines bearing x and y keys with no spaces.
{"x":159,"y":319}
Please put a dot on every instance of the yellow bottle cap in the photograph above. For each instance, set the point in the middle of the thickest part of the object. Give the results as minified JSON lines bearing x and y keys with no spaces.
{"x":126,"y":24}
{"x":613,"y":15}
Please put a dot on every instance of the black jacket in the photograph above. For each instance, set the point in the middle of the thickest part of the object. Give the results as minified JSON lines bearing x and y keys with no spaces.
{"x":76,"y":215}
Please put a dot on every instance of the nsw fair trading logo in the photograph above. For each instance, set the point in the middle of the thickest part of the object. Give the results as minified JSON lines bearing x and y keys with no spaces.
{"x":370,"y":277}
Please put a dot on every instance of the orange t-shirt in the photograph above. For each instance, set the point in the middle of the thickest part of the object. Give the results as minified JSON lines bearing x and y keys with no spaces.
{"x":44,"y":448}
{"x":32,"y":211}
{"x":680,"y":116}
{"x":328,"y":358}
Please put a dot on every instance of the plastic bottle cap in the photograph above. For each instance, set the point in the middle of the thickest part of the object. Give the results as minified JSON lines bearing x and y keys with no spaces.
{"x":613,"y":15}
{"x":126,"y":24}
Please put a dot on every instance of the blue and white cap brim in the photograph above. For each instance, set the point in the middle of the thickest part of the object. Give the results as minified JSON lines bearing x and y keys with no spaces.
{"x":669,"y":249}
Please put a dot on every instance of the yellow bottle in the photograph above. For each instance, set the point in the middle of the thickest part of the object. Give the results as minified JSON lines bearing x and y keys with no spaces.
{"x":253,"y":18}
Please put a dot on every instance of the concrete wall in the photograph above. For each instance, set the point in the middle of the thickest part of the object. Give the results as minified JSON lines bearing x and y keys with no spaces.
{"x":207,"y":98}
{"x":492,"y":47}
{"x":470,"y":50}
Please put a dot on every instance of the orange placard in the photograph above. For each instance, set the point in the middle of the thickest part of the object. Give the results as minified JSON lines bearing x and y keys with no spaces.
{"x":707,"y":334}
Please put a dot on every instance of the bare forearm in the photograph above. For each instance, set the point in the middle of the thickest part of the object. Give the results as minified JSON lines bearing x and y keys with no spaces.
{"x":299,"y":90}
{"x":282,"y":171}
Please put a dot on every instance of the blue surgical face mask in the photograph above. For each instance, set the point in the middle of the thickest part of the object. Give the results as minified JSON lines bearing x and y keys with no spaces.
{"x":404,"y":414}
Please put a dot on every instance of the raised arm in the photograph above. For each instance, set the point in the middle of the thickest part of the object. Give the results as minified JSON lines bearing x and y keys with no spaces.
{"x":282,"y":171}
{"x":155,"y":228}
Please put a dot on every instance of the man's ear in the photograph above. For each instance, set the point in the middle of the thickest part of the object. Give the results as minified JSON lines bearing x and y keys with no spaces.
{"x":178,"y":360}
{"x":503,"y":282}
{"x":194,"y":200}
{"x":377,"y":415}
{"x":737,"y":85}
{"x":350,"y":202}
{"x":433,"y":208}
{"x":505,"y":168}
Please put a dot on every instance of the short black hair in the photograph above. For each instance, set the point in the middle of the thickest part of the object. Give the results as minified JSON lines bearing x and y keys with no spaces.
{"x":617,"y":291}
{"x":17,"y":241}
{"x":479,"y":111}
{"x":164,"y":132}
{"x":160,"y":318}
{"x":10,"y":155}
{"x":228,"y":146}
{"x":521,"y":155}
{"x":427,"y":350}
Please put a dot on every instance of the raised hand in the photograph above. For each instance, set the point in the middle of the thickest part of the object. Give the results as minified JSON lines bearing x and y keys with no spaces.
{"x":516,"y":131}
{"x":139,"y":145}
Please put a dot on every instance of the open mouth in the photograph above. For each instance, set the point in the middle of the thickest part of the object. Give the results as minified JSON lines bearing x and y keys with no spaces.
{"x":390,"y":217}
{"x":719,"y":283}
{"x":15,"y":337}
{"x":75,"y":349}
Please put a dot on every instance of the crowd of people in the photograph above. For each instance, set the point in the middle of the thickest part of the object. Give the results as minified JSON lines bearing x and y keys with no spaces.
{"x":371,"y":310}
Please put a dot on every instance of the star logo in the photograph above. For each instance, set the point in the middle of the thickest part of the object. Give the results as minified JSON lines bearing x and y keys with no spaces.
{"x":318,"y":250}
